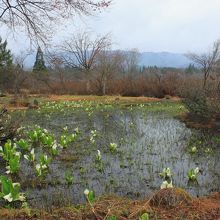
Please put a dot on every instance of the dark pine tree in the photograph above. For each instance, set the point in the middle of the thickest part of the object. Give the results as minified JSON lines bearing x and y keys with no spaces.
{"x":39,"y":64}
{"x":5,"y":55}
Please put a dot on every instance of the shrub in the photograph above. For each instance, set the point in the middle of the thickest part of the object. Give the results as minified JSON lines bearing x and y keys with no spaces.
{"x":8,"y":125}
{"x":199,"y":101}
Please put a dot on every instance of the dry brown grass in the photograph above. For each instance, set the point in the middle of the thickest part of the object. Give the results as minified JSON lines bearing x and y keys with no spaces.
{"x":101,"y":98}
{"x":186,"y":207}
{"x":169,"y":198}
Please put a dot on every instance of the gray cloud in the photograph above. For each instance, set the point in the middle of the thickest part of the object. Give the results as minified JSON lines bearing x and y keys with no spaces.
{"x":153,"y":25}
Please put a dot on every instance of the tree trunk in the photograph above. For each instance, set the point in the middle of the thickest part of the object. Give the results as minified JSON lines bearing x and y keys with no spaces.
{"x":104,"y":87}
{"x":88,"y":86}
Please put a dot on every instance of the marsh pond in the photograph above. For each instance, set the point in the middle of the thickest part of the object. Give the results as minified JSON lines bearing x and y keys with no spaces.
{"x":114,"y":149}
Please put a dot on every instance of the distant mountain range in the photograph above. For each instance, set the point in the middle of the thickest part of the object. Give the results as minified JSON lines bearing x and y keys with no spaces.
{"x":159,"y":59}
{"x":164,"y":59}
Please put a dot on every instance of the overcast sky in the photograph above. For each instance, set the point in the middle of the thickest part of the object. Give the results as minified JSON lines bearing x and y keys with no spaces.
{"x":151,"y":25}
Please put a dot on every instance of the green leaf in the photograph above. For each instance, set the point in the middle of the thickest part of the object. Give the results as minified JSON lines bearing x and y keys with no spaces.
{"x":145,"y":216}
{"x":23,"y":144}
{"x":14,"y":164}
{"x":5,"y":185}
{"x":1,"y":195}
{"x":91,"y":196}
{"x":10,"y":189}
{"x":15,"y":191}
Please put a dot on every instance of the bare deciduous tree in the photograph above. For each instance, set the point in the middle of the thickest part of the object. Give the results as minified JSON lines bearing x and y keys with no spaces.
{"x":130,"y":66}
{"x":57,"y":65}
{"x":107,"y":65}
{"x":216,"y":77}
{"x":131,"y":60}
{"x":37,"y":16}
{"x":19,"y":75}
{"x":207,"y":61}
{"x":81,"y":52}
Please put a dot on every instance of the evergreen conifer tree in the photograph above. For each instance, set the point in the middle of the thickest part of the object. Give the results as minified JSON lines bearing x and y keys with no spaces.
{"x":5,"y":55}
{"x":39,"y":64}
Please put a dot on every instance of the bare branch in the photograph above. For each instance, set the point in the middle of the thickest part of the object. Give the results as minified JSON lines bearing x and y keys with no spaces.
{"x":207,"y":60}
{"x":81,"y":51}
{"x":38,"y":16}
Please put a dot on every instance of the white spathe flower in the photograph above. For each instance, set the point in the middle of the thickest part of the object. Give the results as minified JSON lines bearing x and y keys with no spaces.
{"x":18,"y":154}
{"x":32,"y":151}
{"x":86,"y":192}
{"x":38,"y":167}
{"x":30,"y":157}
{"x":94,"y":133}
{"x":166,"y":185}
{"x":193,"y":176}
{"x":16,"y":184}
{"x":194,"y":149}
{"x":19,"y":129}
{"x":168,"y":172}
{"x":8,"y":170}
{"x":99,"y":153}
{"x":76,"y":130}
{"x":196,"y":170}
{"x":1,"y":149}
{"x":92,"y":140}
{"x":26,"y":157}
{"x":54,"y":147}
{"x":64,"y":142}
{"x":113,"y":145}
{"x":8,"y":197}
{"x":44,"y":166}
{"x":22,"y":197}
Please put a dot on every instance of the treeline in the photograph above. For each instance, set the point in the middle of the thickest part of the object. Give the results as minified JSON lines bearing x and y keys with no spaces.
{"x":82,"y":66}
